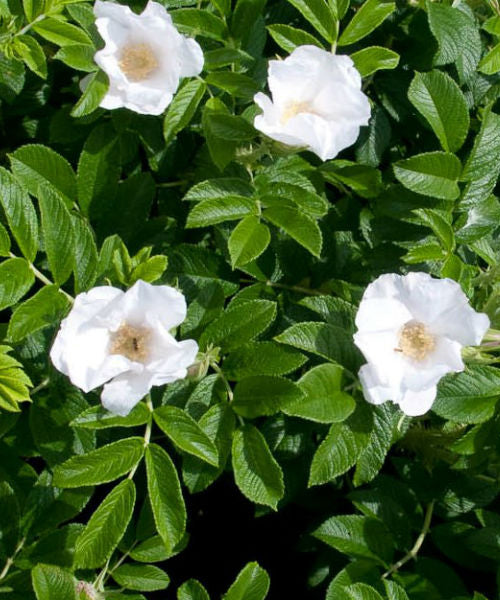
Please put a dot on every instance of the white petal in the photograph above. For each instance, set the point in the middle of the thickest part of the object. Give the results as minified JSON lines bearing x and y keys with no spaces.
{"x":374,"y":390}
{"x":385,"y":286}
{"x":418,"y":403}
{"x":124,"y":392}
{"x":173,"y":360}
{"x":463,"y":324}
{"x":191,"y":57}
{"x":112,"y":10}
{"x":376,"y":314}
{"x":156,"y":10}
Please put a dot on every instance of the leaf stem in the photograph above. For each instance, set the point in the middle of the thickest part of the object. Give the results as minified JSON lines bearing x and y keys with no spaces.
{"x":220,"y":373}
{"x":292,"y":288}
{"x":40,"y":386}
{"x":147,"y":435}
{"x":418,"y":544}
{"x":11,"y":559}
{"x":30,"y":25}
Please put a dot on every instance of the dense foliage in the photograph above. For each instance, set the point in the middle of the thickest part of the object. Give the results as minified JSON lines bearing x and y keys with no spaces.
{"x":310,"y":492}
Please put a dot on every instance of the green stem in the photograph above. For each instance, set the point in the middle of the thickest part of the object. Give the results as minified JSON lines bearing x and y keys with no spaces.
{"x":220,"y":373}
{"x":30,"y":25}
{"x":147,"y":434}
{"x":282,"y":286}
{"x":11,"y":559}
{"x":40,"y":386}
{"x":418,"y":544}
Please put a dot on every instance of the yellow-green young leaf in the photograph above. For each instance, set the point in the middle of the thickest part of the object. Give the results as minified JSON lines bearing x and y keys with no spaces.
{"x":368,"y":17}
{"x":58,"y":235}
{"x":192,"y":590}
{"x":182,"y":108}
{"x":61,"y":33}
{"x":289,"y":38}
{"x":211,"y":212}
{"x":35,"y":165}
{"x":248,"y":241}
{"x":142,"y":578}
{"x":4,"y":241}
{"x":100,"y":466}
{"x":299,"y":226}
{"x":106,"y":527}
{"x":374,"y":58}
{"x":14,"y":382}
{"x":95,"y":90}
{"x":186,"y":434}
{"x":151,"y":270}
{"x":16,"y":278}
{"x":433,"y":174}
{"x":78,"y":56}
{"x":33,"y":9}
{"x":490,"y":64}
{"x":53,"y":583}
{"x":265,"y":395}
{"x":252,"y":583}
{"x":321,"y":16}
{"x":239,"y":324}
{"x":256,"y":472}
{"x":21,"y":214}
{"x":439,"y":99}
{"x":30,"y":51}
{"x":45,"y":308}
{"x":196,"y":22}
{"x":165,"y":496}
{"x":323,"y":400}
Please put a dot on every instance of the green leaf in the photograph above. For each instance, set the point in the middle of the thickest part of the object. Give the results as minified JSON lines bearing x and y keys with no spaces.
{"x":439,"y":225}
{"x":265,"y":395}
{"x":53,"y":583}
{"x":290,"y":38}
{"x":186,"y":434}
{"x":97,"y":417}
{"x":215,"y":189}
{"x":143,"y":578}
{"x":457,"y":36}
{"x":357,"y":536}
{"x":9,"y":519}
{"x":438,"y":98}
{"x":468,"y":397}
{"x":192,"y":590}
{"x":362,"y":591}
{"x":14,"y":382}
{"x":231,"y":128}
{"x":218,"y":423}
{"x":78,"y":56}
{"x":368,"y":17}
{"x":16,"y":278}
{"x":61,"y":33}
{"x":363,"y":179}
{"x":252,"y":583}
{"x":182,"y":108}
{"x":246,"y":13}
{"x":278,"y":194}
{"x":100,"y":466}
{"x":85,"y":256}
{"x":211,"y":212}
{"x":239,"y":324}
{"x":325,"y":340}
{"x":35,"y":166}
{"x":340,"y":449}
{"x":57,"y":228}
{"x":150,"y":270}
{"x":235,"y":84}
{"x":20,"y":213}
{"x":30,"y":51}
{"x":12,"y":77}
{"x":96,"y":87}
{"x":262,"y":358}
{"x":433,"y":174}
{"x":222,"y":152}
{"x":256,"y":472}
{"x":394,"y":591}
{"x":4,"y":241}
{"x":299,"y":226}
{"x":106,"y":527}
{"x":165,"y":496}
{"x":151,"y":550}
{"x":194,"y":21}
{"x":323,"y":400}
{"x":374,"y":58}
{"x":45,"y":308}
{"x":247,"y":241}
{"x":320,"y":15}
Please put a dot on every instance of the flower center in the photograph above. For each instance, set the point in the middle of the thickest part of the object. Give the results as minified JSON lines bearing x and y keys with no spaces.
{"x":292,"y":109}
{"x":132,"y":342}
{"x":137,"y":61}
{"x":416,"y":341}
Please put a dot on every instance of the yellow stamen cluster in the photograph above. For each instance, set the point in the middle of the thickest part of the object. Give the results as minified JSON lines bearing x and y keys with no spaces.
{"x":293,"y":109}
{"x":131,"y":342}
{"x":137,"y":61}
{"x":416,"y":341}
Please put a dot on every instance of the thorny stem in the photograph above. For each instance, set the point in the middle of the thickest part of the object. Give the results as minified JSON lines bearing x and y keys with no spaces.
{"x":147,"y":434}
{"x":292,"y":288}
{"x":219,"y":372}
{"x":418,"y":544}
{"x":44,"y":279}
{"x":11,"y":559}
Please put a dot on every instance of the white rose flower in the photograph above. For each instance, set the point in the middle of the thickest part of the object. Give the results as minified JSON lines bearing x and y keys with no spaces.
{"x":122,"y":339}
{"x":316,"y":103}
{"x":411,"y":330}
{"x":144,"y":57}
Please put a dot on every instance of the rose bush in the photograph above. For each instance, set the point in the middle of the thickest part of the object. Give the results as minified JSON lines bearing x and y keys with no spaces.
{"x":250,"y":300}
